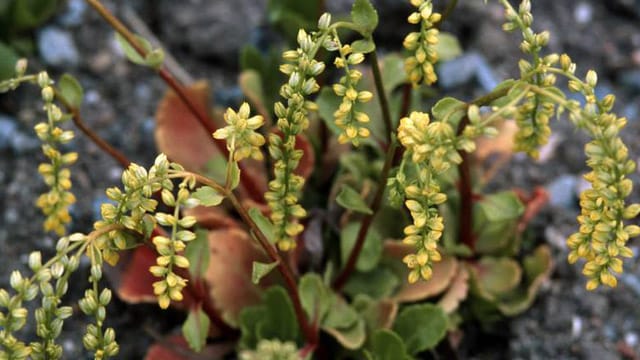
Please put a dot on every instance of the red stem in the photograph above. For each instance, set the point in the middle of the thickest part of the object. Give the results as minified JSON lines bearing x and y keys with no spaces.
{"x":393,"y":156}
{"x":203,"y":118}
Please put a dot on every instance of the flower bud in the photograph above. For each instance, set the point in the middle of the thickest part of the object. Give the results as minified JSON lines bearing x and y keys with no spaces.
{"x":324,"y":21}
{"x":21,"y":67}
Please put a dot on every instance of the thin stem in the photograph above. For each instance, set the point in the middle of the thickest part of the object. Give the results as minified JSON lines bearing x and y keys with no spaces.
{"x":465,"y":188}
{"x":382,"y":96}
{"x":465,"y":185}
{"x":342,"y":278}
{"x":451,"y":5}
{"x":309,"y":331}
{"x":202,"y":117}
{"x":76,"y":117}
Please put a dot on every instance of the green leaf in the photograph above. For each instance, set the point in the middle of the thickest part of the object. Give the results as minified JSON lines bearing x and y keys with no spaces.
{"x":234,"y":175}
{"x":196,"y":328}
{"x":387,"y":345}
{"x":251,"y":59}
{"x":378,"y":283}
{"x":449,"y":109}
{"x":29,"y":14}
{"x":349,"y":199}
{"x":371,"y":250}
{"x":264,"y":224}
{"x":250,"y":83}
{"x":198,"y":254}
{"x":273,"y":319}
{"x":496,"y":219}
{"x":148,"y":224}
{"x":328,"y":102}
{"x":70,"y":90}
{"x":316,"y":298}
{"x":279,"y":321}
{"x":207,"y":196}
{"x":261,"y":270}
{"x":341,"y":315}
{"x":497,"y":276}
{"x":153,"y":57}
{"x":291,"y":15}
{"x":351,"y":338}
{"x":448,"y":46}
{"x":393,"y":73}
{"x":421,"y":326}
{"x":8,"y":59}
{"x":363,"y":46}
{"x":365,"y":16}
{"x":377,"y":314}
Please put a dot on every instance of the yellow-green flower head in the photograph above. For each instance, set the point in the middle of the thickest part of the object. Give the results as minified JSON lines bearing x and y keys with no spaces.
{"x":242,"y":139}
{"x":434,"y":142}
{"x":419,"y":66}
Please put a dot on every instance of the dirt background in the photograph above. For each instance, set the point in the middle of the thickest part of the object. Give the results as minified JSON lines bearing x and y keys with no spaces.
{"x":566,"y":322}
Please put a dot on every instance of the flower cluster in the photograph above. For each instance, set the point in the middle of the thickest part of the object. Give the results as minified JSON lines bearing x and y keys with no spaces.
{"x":55,"y":203}
{"x":285,"y":188}
{"x":532,"y":116}
{"x":602,"y":237}
{"x":272,"y":350}
{"x":169,"y":248}
{"x":351,"y":122}
{"x":419,"y":66}
{"x":432,"y":147}
{"x":242,"y":139}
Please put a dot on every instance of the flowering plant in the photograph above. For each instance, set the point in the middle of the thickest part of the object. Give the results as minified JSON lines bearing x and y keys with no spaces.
{"x":232,"y":222}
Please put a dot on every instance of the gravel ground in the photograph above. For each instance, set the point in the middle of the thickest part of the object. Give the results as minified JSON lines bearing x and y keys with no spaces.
{"x":566,"y":322}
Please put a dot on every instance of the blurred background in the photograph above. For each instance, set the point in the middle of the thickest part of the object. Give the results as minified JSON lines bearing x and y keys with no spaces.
{"x":207,"y":37}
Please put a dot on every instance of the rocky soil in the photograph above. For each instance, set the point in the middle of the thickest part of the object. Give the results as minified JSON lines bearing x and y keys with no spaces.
{"x":566,"y":322}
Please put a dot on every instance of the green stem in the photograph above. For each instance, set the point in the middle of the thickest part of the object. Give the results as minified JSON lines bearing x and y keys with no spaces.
{"x":382,"y":96}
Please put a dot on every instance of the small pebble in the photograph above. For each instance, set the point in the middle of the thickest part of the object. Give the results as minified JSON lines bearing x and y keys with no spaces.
{"x":465,"y":68}
{"x":631,"y":281}
{"x":8,"y":128}
{"x":631,"y":338}
{"x":583,"y":13}
{"x":57,"y":47}
{"x":74,"y":13}
{"x":576,"y":327}
{"x":562,"y":192}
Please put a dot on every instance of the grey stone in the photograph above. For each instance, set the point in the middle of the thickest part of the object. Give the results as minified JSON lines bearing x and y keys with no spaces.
{"x":562,"y":192}
{"x":73,"y":14}
{"x":583,"y":13}
{"x":210,"y":28}
{"x":57,"y":47}
{"x":465,"y":68}
{"x":8,"y":128}
{"x":22,"y":143}
{"x":630,"y":79}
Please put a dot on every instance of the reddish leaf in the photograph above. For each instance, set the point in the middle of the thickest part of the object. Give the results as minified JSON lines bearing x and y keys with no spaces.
{"x":135,"y":285}
{"x":175,"y":347}
{"x":500,"y":146}
{"x":178,"y":132}
{"x":457,"y":292}
{"x":229,"y":275}
{"x":533,"y":204}
{"x":134,"y":282}
{"x":211,"y":218}
{"x":443,"y":272}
